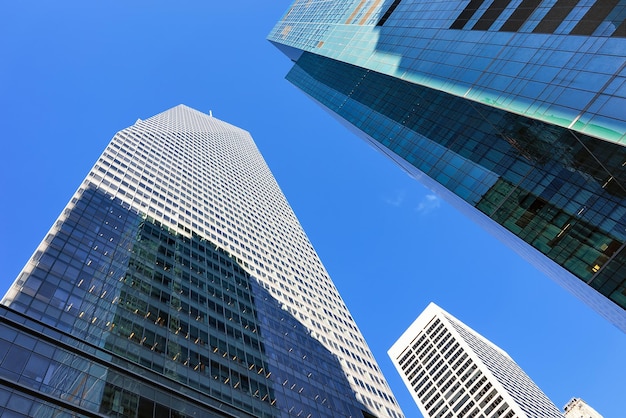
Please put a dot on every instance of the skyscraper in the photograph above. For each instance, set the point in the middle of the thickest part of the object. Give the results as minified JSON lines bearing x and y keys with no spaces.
{"x":577,"y":408}
{"x":452,"y":371}
{"x":177,"y":282}
{"x":514,"y":112}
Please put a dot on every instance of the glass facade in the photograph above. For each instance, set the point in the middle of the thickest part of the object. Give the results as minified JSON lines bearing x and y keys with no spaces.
{"x":45,"y":372}
{"x":568,"y":80}
{"x":461,"y":102}
{"x":153,"y":296}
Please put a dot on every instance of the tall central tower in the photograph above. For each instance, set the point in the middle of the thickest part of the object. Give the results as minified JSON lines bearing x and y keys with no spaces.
{"x":178,"y":282}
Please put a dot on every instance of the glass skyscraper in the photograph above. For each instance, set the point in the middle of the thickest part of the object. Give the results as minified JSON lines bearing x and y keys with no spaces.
{"x":512,"y":111}
{"x":177,"y":282}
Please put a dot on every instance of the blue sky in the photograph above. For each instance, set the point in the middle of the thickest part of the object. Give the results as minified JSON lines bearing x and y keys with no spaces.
{"x":74,"y":73}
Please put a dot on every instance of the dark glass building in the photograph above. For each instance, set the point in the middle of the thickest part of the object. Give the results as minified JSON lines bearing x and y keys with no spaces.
{"x":512,"y":111}
{"x":177,"y":282}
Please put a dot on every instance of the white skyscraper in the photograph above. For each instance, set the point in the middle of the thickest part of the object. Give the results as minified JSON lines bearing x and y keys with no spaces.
{"x":451,"y":371}
{"x":577,"y":408}
{"x":181,"y":282}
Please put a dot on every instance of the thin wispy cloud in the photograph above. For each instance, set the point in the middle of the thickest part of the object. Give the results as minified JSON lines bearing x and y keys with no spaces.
{"x":397,"y":200}
{"x":429,"y":203}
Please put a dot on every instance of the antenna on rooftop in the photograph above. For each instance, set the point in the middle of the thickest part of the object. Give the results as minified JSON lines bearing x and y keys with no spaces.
{"x":211,"y":113}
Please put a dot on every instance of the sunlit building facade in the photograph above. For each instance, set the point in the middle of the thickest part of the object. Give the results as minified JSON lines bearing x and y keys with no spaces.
{"x":454,"y":372}
{"x":177,"y":282}
{"x":578,"y":408}
{"x":512,"y":111}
